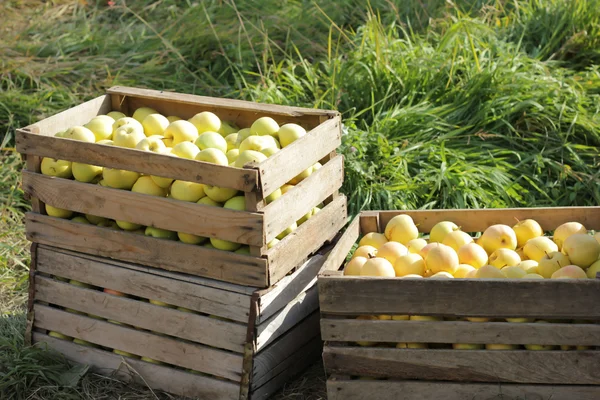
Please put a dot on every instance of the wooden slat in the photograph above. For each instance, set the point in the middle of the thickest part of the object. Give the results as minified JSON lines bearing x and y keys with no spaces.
{"x":517,"y":366}
{"x":171,"y":351}
{"x":477,"y":298}
{"x":180,"y":216}
{"x":478,"y":220}
{"x":369,"y":222}
{"x":193,"y":327}
{"x":157,"y":377}
{"x":284,"y":165}
{"x":158,"y":253}
{"x":307,"y":239}
{"x":204,"y":299}
{"x":423,"y":390}
{"x":137,"y":160}
{"x":353,"y":330}
{"x":338,"y":255}
{"x":301,"y":199}
{"x":296,"y":310}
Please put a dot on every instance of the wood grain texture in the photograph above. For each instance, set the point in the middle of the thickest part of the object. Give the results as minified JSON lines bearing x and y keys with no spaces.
{"x":284,"y":165}
{"x":337,"y":256}
{"x":137,"y":160}
{"x":424,"y":390}
{"x":158,"y":253}
{"x":141,"y":314}
{"x":353,"y":330}
{"x":157,"y":377}
{"x":478,"y":220}
{"x":230,"y":305}
{"x":516,"y":366}
{"x":34,"y":164}
{"x":308,"y":238}
{"x":180,"y":216}
{"x":301,"y":199}
{"x":171,"y":351}
{"x":365,"y":295}
{"x":369,"y":222}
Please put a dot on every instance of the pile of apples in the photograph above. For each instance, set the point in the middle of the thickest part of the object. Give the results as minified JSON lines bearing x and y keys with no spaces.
{"x":204,"y":137}
{"x":518,"y":252}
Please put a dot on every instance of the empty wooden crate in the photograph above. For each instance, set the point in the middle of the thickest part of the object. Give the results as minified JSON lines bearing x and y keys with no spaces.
{"x":458,"y":343}
{"x":255,"y":227}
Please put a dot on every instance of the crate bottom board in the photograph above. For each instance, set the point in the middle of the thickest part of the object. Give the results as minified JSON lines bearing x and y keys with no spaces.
{"x":345,"y":389}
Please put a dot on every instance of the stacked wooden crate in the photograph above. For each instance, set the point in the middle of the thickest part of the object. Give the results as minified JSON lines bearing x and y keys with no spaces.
{"x":221,"y":324}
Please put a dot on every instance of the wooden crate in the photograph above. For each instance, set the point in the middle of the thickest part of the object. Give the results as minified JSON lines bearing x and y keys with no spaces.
{"x":255,"y":227}
{"x":258,"y":341}
{"x":441,"y":372}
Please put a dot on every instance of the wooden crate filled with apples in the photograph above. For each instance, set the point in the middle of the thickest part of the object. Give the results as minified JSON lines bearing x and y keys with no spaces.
{"x":225,"y":189}
{"x":464,"y":304}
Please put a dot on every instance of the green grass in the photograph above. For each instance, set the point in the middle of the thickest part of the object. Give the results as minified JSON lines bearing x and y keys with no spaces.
{"x":470,"y":103}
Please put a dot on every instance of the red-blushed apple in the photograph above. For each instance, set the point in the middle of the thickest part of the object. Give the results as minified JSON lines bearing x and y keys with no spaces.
{"x":115,"y":292}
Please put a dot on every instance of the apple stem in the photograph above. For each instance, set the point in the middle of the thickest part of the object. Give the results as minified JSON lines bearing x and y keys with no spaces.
{"x":371,"y":255}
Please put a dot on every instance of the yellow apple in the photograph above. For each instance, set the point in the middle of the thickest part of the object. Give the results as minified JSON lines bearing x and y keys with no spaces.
{"x":236,"y":203}
{"x":582,"y":249}
{"x":498,"y":237}
{"x":494,"y":346}
{"x":180,"y":131}
{"x":593,"y":270}
{"x":128,"y":226}
{"x":160,"y":233}
{"x":409,"y":264}
{"x":242,"y":135}
{"x":373,"y":239}
{"x":287,"y":231}
{"x":227,"y":128}
{"x":58,"y":212}
{"x":463,"y":270}
{"x":244,"y":250}
{"x":442,"y":275}
{"x":146,"y":185}
{"x":529,"y":266}
{"x":412,"y":346}
{"x":391,"y":251}
{"x":538,"y":247}
{"x":58,"y":168}
{"x":116,"y":115}
{"x":173,"y":118}
{"x":155,"y":124}
{"x":59,"y":335}
{"x":504,"y":257}
{"x":270,"y":151}
{"x":440,"y":230}
{"x":442,"y":258}
{"x":207,"y":201}
{"x":277,"y":194}
{"x":211,"y":140}
{"x":128,"y":136}
{"x":257,"y":143}
{"x":428,"y":248}
{"x":186,"y":150}
{"x":85,"y":343}
{"x":570,"y":272}
{"x":489,"y":272}
{"x":232,"y":156}
{"x":289,"y":133}
{"x":213,"y":156}
{"x":378,"y":267}
{"x":527,"y":229}
{"x":224,"y":244}
{"x":152,"y":361}
{"x":80,"y":220}
{"x":472,"y":254}
{"x":142,"y":112}
{"x":424,"y":318}
{"x":305,"y":217}
{"x":465,"y":346}
{"x":513,"y":272}
{"x":354,"y":266}
{"x":231,"y":141}
{"x":264,"y":126}
{"x":552,"y":262}
{"x":206,"y":121}
{"x":189,"y":238}
{"x":153,"y":144}
{"x":597,"y":236}
{"x":414,"y":246}
{"x":219,"y":194}
{"x":272,"y":243}
{"x":301,"y":176}
{"x":249,"y":156}
{"x":565,"y":230}
{"x":457,"y":239}
{"x":125,"y":354}
{"x":470,"y":274}
{"x":126,"y":121}
{"x":401,"y":229}
{"x":366,"y":251}
{"x":85,"y":172}
{"x":187,"y":191}
{"x":119,"y":179}
{"x":80,"y":133}
{"x":80,"y":284}
{"x":101,"y":127}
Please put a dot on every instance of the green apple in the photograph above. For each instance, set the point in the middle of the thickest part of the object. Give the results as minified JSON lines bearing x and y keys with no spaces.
{"x":181,"y":131}
{"x":150,"y":360}
{"x":304,"y":218}
{"x":155,"y":124}
{"x":272,"y":243}
{"x":160,"y":233}
{"x":110,"y":224}
{"x":128,"y":136}
{"x":289,"y":133}
{"x":58,"y":212}
{"x":81,"y":284}
{"x":94,"y":219}
{"x":287,"y":231}
{"x":189,"y":238}
{"x":160,"y":303}
{"x":106,"y":142}
{"x":211,"y":140}
{"x":173,"y":118}
{"x":249,"y":156}
{"x":227,"y":128}
{"x":219,"y":194}
{"x":265,"y":126}
{"x":187,"y":191}
{"x":208,"y":245}
{"x":95,"y":317}
{"x":186,"y":150}
{"x":186,"y":310}
{"x":128,"y":226}
{"x":236,"y":203}
{"x":153,"y":144}
{"x":232,"y":155}
{"x":116,"y":115}
{"x":125,"y":354}
{"x":213,"y":156}
{"x":85,"y":343}
{"x":243,"y":250}
{"x":207,"y":201}
{"x":85,"y":172}
{"x":243,"y":134}
{"x":273,"y":196}
{"x":58,"y":168}
{"x":126,"y":121}
{"x":206,"y":121}
{"x":59,"y":134}
{"x":71,"y":311}
{"x":80,"y":133}
{"x":59,"y":335}
{"x":231,"y":141}
{"x":146,"y":185}
{"x":224,"y":244}
{"x":142,"y":112}
{"x":80,"y":220}
{"x":101,"y":127}
{"x":119,"y":179}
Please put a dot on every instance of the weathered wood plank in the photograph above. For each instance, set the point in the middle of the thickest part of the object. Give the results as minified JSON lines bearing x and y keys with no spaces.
{"x":338,"y":255}
{"x":158,"y":253}
{"x":180,"y":216}
{"x":204,"y":299}
{"x":369,"y":222}
{"x":423,"y":390}
{"x":301,"y":199}
{"x":156,"y":376}
{"x":308,"y":238}
{"x":176,"y":352}
{"x":284,"y":165}
{"x":193,"y":327}
{"x":137,"y":160}
{"x":365,"y":295}
{"x":517,"y":366}
{"x":353,"y":330}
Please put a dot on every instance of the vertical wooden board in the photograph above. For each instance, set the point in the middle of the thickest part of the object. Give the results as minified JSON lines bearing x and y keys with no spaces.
{"x":337,"y":256}
{"x":141,"y":314}
{"x":423,"y":390}
{"x":171,"y":351}
{"x":516,"y":366}
{"x":157,"y":377}
{"x":230,"y":305}
{"x":369,"y":222}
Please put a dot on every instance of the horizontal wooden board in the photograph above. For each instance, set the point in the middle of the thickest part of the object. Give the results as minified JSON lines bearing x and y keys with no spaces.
{"x":171,"y":351}
{"x":157,"y":377}
{"x":137,"y":160}
{"x":516,"y":366}
{"x":301,"y":199}
{"x":284,"y":165}
{"x":478,"y":220}
{"x":180,"y":216}
{"x":424,"y":390}
{"x":338,"y":255}
{"x":230,"y":305}
{"x":353,"y":330}
{"x":158,"y":253}
{"x":475,"y":298}
{"x":193,"y":327}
